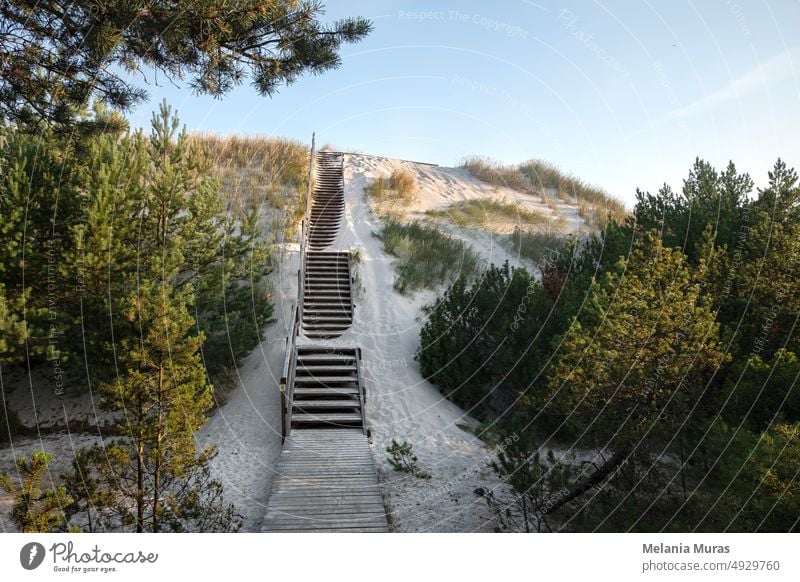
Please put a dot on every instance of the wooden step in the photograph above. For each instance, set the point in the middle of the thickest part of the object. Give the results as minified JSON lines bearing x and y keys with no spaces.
{"x":340,"y":319}
{"x":323,"y":404}
{"x":317,"y":358}
{"x":324,"y":392}
{"x":327,"y":418}
{"x":323,"y":367}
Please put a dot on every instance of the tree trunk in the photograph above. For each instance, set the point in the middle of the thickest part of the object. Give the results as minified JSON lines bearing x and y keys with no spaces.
{"x":140,"y":486}
{"x":592,"y":481}
{"x":157,"y":471}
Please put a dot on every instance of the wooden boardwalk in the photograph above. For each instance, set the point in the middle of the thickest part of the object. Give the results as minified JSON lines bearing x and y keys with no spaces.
{"x":325,"y":481}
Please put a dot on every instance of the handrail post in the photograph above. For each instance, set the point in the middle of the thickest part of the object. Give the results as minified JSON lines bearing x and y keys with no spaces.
{"x":283,"y":411}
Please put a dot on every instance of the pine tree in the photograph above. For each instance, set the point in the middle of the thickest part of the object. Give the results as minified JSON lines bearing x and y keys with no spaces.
{"x":162,"y":395}
{"x":37,"y":205}
{"x":12,"y":330}
{"x":35,"y":509}
{"x":630,"y":373}
{"x":59,"y":55}
{"x":765,"y":288}
{"x":708,"y":199}
{"x":482,"y":344}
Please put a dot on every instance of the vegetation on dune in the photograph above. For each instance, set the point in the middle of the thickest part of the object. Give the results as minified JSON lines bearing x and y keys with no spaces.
{"x":391,"y":196}
{"x":402,"y":459}
{"x":618,"y":352}
{"x":266,"y":174}
{"x":488,"y":211}
{"x":595,"y":206}
{"x":536,"y":246}
{"x":426,"y":257}
{"x":495,"y":173}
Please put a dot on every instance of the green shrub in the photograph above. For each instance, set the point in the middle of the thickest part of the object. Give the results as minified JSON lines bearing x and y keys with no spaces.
{"x":402,"y":459}
{"x":759,"y":390}
{"x":427,"y":256}
{"x":485,"y":344}
{"x":36,"y":509}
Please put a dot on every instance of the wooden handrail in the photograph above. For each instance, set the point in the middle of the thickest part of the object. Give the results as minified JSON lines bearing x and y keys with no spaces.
{"x":290,"y":359}
{"x":361,"y":392}
{"x":352,"y":287}
{"x":289,"y":338}
{"x":290,"y":375}
{"x":305,"y":230}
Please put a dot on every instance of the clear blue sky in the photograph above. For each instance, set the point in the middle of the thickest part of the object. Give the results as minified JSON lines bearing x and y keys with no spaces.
{"x":620,"y":93}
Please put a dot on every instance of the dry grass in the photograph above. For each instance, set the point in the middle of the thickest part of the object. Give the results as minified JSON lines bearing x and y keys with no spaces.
{"x":404,"y":183}
{"x":257,"y":172}
{"x":393,"y":195}
{"x":495,"y":173}
{"x":595,"y":205}
{"x":488,"y":212}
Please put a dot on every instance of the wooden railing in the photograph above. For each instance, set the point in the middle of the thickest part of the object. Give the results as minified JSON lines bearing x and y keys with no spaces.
{"x":362,"y":395}
{"x":352,"y":286}
{"x":290,"y":359}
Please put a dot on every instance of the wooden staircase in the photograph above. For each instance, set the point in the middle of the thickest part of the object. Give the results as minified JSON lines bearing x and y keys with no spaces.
{"x":328,"y":208}
{"x":328,"y":390}
{"x":325,"y":479}
{"x":327,"y":297}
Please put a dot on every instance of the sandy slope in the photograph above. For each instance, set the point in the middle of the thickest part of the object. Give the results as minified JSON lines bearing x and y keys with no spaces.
{"x":246,"y":429}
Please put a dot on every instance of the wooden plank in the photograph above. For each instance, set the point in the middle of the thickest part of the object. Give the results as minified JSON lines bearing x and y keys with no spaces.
{"x":341,"y":403}
{"x":357,"y":465}
{"x":334,"y":506}
{"x":325,"y":479}
{"x":315,"y":514}
{"x":302,"y":464}
{"x":327,"y":530}
{"x":324,"y":523}
{"x":286,"y":495}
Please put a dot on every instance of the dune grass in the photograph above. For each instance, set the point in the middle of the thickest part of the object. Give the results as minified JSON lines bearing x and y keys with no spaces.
{"x":426,"y":256}
{"x":595,"y":205}
{"x":391,"y":196}
{"x":486,"y":211}
{"x":257,"y":170}
{"x":495,"y":173}
{"x":535,"y":245}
